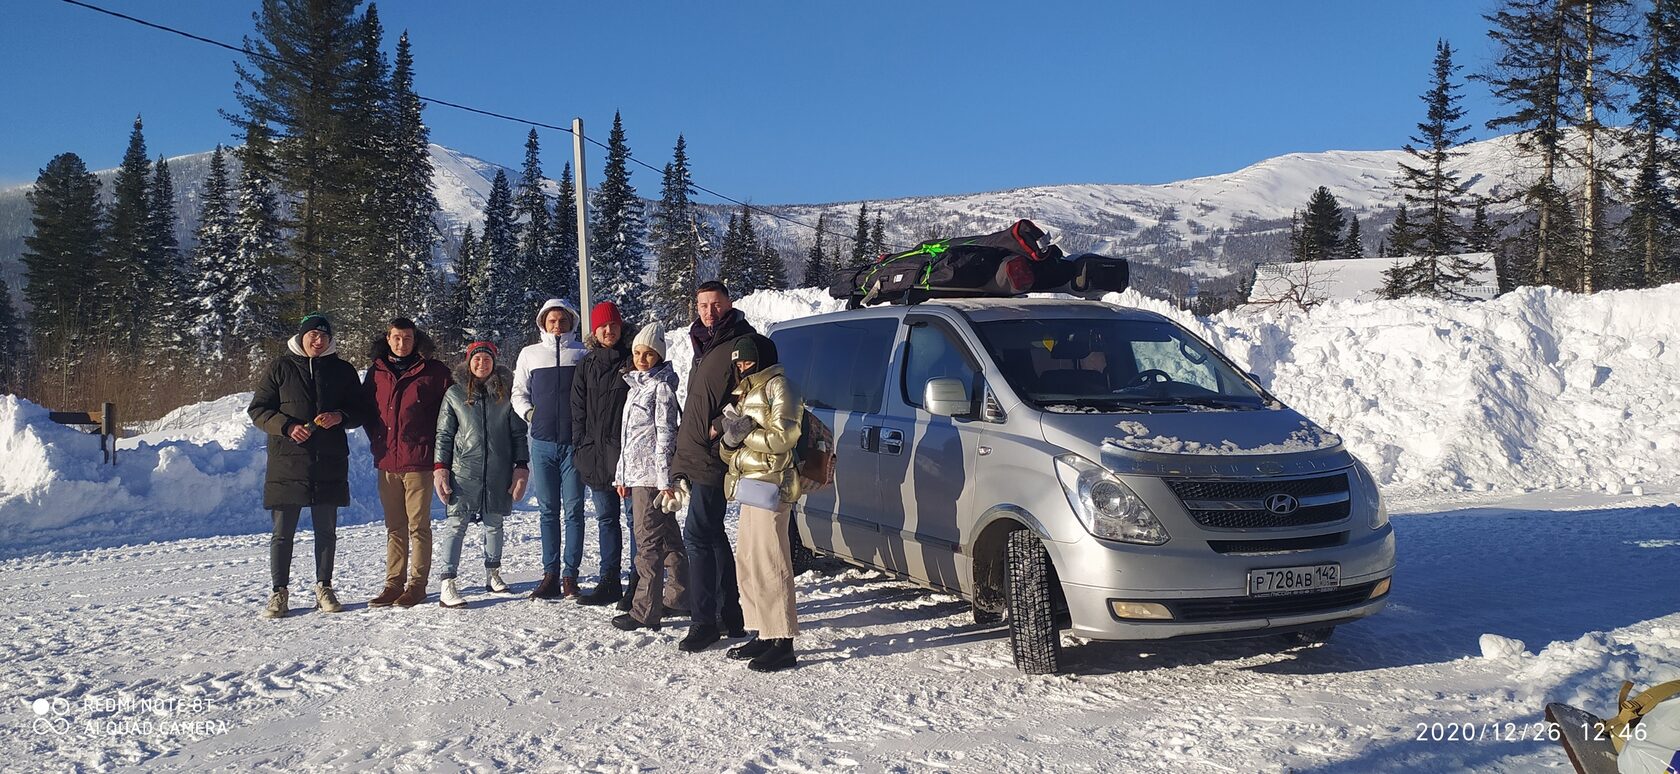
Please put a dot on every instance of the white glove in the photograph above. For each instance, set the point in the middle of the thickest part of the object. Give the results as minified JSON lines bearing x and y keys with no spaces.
{"x":676,"y":501}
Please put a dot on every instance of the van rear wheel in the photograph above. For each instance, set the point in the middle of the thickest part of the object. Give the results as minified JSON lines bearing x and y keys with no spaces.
{"x":1034,"y":635}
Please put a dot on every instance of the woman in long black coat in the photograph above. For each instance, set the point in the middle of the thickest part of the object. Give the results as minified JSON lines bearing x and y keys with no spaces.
{"x":306,"y":401}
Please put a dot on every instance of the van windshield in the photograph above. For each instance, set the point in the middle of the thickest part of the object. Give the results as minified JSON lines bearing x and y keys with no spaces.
{"x":1109,"y":364}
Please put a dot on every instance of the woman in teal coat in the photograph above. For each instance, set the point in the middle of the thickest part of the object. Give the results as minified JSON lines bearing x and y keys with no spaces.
{"x":480,"y":464}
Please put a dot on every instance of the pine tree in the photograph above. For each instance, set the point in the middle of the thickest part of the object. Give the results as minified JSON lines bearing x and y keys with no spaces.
{"x":861,"y":252}
{"x":300,"y":82}
{"x":772,"y":270}
{"x":616,"y":262}
{"x":165,"y":330}
{"x":14,"y":354}
{"x":816,"y":271}
{"x":562,"y":279}
{"x":212,"y":261}
{"x":257,"y":254}
{"x":502,"y":306}
{"x":61,"y":260}
{"x":1321,"y":229}
{"x":530,"y":206}
{"x":368,"y":245}
{"x":1397,"y":280}
{"x":1402,"y":236}
{"x":1651,"y":233}
{"x":676,"y":241}
{"x":752,"y":255}
{"x":1297,"y":244}
{"x":1432,"y":185}
{"x":410,"y":203}
{"x":1353,"y":246}
{"x":734,"y":265}
{"x":1482,"y":235}
{"x":456,"y":294}
{"x":878,"y":236}
{"x":130,"y":279}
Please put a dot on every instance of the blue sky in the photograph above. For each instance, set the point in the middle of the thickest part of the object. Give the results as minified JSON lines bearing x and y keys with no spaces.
{"x":788,"y":102}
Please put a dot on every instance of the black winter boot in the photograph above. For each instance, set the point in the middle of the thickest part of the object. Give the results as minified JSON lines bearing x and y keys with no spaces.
{"x":605,"y":593}
{"x":629,"y":597}
{"x":752,"y":648}
{"x":699,"y":637}
{"x":777,"y":657}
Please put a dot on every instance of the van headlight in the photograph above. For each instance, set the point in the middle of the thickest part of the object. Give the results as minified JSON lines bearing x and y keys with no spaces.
{"x":1106,"y":506}
{"x":1368,"y":486}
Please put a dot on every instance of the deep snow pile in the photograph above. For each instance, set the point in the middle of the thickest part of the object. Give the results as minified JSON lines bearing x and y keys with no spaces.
{"x":1538,"y":389}
{"x":197,"y":471}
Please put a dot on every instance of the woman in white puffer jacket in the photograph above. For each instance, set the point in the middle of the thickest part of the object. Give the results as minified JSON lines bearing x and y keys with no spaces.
{"x":648,"y":440}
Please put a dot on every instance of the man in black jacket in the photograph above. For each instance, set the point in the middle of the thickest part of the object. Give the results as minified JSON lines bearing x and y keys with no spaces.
{"x":305,"y":402}
{"x":598,"y":395}
{"x":713,"y":596}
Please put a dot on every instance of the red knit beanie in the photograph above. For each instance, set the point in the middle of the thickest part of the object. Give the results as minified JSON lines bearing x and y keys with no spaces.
{"x":603,"y":313}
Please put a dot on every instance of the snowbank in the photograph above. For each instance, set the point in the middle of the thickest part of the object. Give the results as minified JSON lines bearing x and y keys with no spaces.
{"x":198,"y":471}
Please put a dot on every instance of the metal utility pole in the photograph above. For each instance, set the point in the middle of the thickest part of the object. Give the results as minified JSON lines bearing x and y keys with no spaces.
{"x":582,"y":216}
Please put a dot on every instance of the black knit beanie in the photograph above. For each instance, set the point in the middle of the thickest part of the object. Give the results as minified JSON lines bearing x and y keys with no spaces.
{"x":316,"y":321}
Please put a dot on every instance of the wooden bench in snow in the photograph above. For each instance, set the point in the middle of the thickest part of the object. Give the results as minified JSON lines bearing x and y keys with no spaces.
{"x":105,"y":420}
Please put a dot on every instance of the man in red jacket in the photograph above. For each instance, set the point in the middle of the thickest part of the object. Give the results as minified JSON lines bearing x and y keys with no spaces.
{"x":406,"y":386}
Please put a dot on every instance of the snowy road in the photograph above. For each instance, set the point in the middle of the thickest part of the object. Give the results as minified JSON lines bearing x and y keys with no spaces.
{"x":891,"y":678}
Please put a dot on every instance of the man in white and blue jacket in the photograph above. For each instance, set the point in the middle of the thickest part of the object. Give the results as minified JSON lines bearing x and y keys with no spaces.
{"x":542,"y":394}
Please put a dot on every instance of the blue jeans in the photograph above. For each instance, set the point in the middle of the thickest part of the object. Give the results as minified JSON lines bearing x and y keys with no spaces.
{"x":713,"y":596}
{"x":608,"y":507}
{"x":454,"y":532}
{"x":555,"y":482}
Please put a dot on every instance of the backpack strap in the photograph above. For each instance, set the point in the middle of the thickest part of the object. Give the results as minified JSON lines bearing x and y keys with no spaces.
{"x":1631,"y":710}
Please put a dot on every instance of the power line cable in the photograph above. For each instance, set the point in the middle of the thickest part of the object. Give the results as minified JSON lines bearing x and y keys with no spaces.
{"x":448,"y":104}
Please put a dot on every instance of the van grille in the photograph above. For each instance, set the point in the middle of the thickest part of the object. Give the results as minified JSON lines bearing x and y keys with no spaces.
{"x":1242,"y":504}
{"x":1272,"y":546}
{"x":1238,"y":608}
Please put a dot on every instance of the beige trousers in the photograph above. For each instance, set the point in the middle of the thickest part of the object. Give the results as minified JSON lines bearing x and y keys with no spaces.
{"x":764,"y":570}
{"x":407,"y":498}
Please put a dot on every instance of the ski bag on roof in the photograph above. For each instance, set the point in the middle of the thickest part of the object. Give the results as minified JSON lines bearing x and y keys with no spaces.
{"x":1016,"y":260}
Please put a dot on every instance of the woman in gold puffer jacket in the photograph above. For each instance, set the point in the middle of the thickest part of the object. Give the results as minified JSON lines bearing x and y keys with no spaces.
{"x":759,"y":434}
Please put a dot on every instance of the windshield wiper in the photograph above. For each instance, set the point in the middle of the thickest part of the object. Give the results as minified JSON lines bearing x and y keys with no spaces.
{"x":1205,"y":401}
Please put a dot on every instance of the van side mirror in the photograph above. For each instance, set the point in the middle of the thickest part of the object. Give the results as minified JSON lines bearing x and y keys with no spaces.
{"x":947,"y":397}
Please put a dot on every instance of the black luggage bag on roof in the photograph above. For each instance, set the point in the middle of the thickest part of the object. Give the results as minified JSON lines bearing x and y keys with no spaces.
{"x":1016,"y":260}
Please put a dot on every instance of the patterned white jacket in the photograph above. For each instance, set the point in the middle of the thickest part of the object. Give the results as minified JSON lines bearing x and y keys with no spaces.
{"x":649,"y":437}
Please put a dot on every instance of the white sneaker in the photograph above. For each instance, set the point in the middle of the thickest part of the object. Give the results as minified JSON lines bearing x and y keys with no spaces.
{"x":277,"y":606}
{"x":450,"y":596}
{"x":494,"y":583}
{"x":326,"y":600}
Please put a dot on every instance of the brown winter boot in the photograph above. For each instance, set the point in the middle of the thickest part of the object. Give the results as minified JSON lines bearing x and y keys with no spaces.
{"x":413,"y":595}
{"x":549,"y":588}
{"x":386,"y":598}
{"x":568,"y":587}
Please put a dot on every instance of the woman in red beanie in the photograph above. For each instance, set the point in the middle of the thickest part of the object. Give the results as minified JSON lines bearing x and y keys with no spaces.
{"x":598,"y":395}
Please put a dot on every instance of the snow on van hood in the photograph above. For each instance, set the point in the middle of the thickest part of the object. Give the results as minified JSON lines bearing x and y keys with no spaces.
{"x":1139,"y":437}
{"x":1198,"y":434}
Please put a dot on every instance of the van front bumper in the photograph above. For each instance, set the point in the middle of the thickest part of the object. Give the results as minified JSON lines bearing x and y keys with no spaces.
{"x":1094,"y":614}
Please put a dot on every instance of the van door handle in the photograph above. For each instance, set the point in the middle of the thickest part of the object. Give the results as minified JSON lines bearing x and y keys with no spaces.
{"x":892,"y":441}
{"x":868,"y":439}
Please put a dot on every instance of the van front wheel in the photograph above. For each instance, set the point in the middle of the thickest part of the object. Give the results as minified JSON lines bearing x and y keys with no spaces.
{"x":1033,"y":634}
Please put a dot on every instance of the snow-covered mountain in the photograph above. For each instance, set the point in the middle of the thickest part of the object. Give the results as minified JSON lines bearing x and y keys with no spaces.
{"x":1216,"y":227}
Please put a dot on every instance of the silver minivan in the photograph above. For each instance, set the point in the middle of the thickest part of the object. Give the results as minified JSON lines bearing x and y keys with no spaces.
{"x":1073,"y":464}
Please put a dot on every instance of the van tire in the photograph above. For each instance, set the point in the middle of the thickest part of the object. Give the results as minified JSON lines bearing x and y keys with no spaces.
{"x":1033,"y":634}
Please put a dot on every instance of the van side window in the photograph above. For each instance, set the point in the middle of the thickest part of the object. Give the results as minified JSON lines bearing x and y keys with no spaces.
{"x":838,"y":365}
{"x":933,"y":352}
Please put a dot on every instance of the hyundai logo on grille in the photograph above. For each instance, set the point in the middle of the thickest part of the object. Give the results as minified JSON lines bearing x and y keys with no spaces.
{"x":1282,"y":504}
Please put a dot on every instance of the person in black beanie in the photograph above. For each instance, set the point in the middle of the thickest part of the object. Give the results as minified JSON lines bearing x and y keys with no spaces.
{"x":305,"y":401}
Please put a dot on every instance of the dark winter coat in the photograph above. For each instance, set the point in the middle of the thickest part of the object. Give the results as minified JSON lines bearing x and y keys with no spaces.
{"x":480,"y":440}
{"x":598,"y":394}
{"x":293,"y":391}
{"x":710,"y":383}
{"x":404,"y":424}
